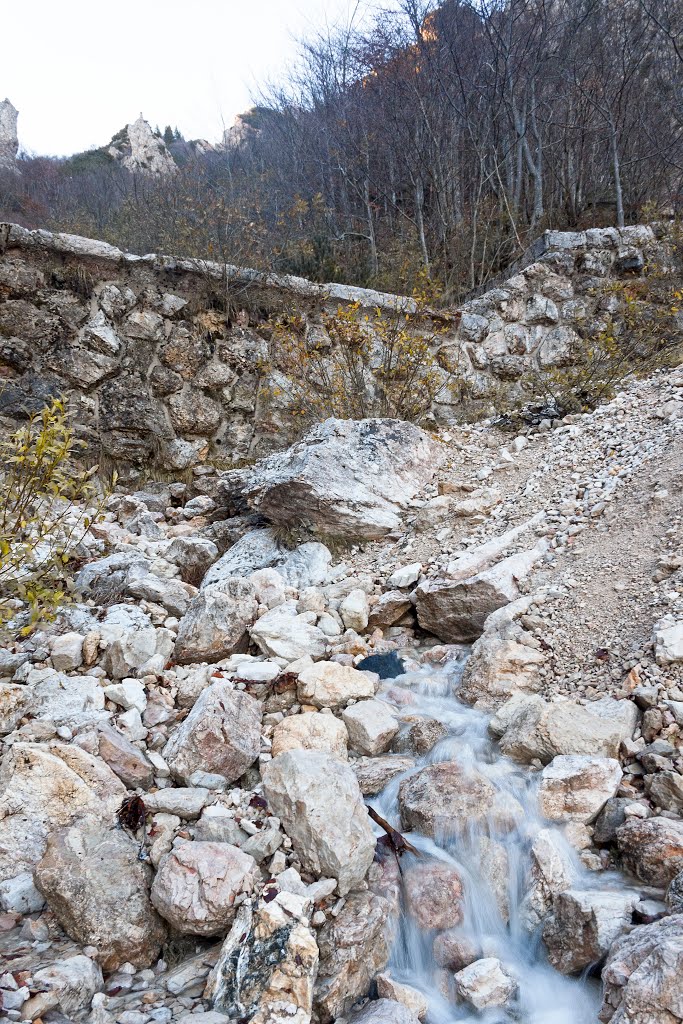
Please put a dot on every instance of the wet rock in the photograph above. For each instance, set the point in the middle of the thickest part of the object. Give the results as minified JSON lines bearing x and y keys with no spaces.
{"x":674,"y":894}
{"x":408,"y":996}
{"x":652,"y":849}
{"x":216,"y":622}
{"x":584,"y":924}
{"x":346,"y":478}
{"x":608,"y":821}
{"x":197,"y":884}
{"x":454,"y":950}
{"x":283,"y":633}
{"x":434,"y":895}
{"x":98,"y":889}
{"x":373,"y":773}
{"x":444,"y":799}
{"x":267,"y":965}
{"x":67,"y":985}
{"x":301,"y":787}
{"x":551,"y":872}
{"x":372,"y":726}
{"x":221,"y":735}
{"x":497,"y":669}
{"x":485,"y":984}
{"x":311,"y":732}
{"x":575,"y":787}
{"x":384,"y":1011}
{"x":43,"y":788}
{"x":642,"y":975}
{"x":353,"y":949}
{"x":329,"y":685}
{"x":530,"y":728}
{"x":424,"y":734}
{"x":387,"y":666}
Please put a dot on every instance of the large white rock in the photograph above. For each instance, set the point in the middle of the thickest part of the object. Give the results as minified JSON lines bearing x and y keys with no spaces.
{"x":330,"y":685}
{"x":355,"y":610}
{"x":67,"y":985}
{"x":216,"y":622}
{"x":197,"y":883}
{"x":530,"y":727}
{"x":575,"y":787}
{"x":141,"y":151}
{"x":372,"y":725}
{"x":551,"y":871}
{"x":584,"y":924}
{"x":497,"y":669}
{"x":43,"y":788}
{"x":66,"y":652}
{"x":278,"y":961}
{"x":311,"y":731}
{"x":64,"y":700}
{"x":9,"y":141}
{"x":668,"y":637}
{"x":485,"y":984}
{"x":318,"y":799}
{"x":346,"y":478}
{"x":221,"y":735}
{"x":642,"y":975}
{"x":132,"y":643}
{"x":283,"y":633}
{"x":98,"y":888}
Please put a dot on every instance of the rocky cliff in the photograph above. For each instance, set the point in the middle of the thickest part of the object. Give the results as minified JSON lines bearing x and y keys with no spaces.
{"x":166,"y":360}
{"x":9,"y":140}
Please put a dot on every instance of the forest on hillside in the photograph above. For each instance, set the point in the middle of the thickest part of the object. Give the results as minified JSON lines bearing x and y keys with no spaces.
{"x":420,"y":152}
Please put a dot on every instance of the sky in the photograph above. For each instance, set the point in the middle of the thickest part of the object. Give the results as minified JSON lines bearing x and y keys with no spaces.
{"x":79,"y":70}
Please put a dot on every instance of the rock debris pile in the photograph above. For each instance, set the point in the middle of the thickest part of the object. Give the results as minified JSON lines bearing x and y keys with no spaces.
{"x":190,"y":750}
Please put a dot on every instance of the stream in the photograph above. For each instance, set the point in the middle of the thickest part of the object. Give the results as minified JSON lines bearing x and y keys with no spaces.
{"x":544,"y":996}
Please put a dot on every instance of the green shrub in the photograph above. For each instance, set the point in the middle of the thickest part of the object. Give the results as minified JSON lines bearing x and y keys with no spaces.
{"x":46,"y":506}
{"x":356,"y":365}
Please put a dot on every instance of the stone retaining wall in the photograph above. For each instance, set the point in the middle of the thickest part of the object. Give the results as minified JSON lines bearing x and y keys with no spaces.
{"x":163,"y":359}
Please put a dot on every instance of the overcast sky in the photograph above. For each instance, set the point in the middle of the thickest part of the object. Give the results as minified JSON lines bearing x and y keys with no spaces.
{"x":78,"y":70}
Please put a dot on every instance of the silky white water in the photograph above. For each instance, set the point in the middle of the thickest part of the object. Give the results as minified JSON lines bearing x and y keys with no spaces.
{"x":544,"y":996}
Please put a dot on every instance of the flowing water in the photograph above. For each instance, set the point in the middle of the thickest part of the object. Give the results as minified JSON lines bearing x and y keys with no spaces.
{"x":544,"y":996}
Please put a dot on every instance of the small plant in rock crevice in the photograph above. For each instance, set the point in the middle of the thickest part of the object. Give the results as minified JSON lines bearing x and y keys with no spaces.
{"x":47,"y":505}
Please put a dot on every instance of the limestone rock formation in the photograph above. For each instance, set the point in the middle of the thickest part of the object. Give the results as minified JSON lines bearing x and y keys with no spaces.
{"x":139,"y":150}
{"x":9,"y":140}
